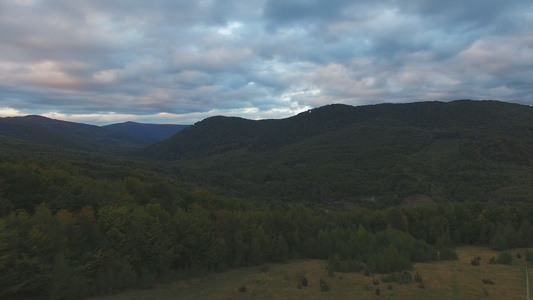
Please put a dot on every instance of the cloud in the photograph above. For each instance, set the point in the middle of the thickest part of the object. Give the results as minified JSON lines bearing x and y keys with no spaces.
{"x":168,"y":60}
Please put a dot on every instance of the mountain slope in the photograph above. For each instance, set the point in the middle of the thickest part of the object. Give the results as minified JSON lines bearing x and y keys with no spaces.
{"x":222,"y":134}
{"x":150,"y":132}
{"x":68,"y":135}
{"x":462,"y":150}
{"x":456,"y":151}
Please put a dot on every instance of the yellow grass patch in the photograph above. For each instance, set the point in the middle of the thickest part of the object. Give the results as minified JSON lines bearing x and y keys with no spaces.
{"x":442,"y":280}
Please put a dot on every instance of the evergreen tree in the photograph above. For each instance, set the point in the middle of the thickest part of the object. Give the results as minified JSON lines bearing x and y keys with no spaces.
{"x":379,"y":262}
{"x":241,"y":248}
{"x":65,"y":284}
{"x":256,"y":254}
{"x":457,"y":237}
{"x":396,"y":219}
{"x":281,"y":252}
{"x":444,"y":241}
{"x":525,"y":234}
{"x":504,"y":238}
{"x":499,"y":241}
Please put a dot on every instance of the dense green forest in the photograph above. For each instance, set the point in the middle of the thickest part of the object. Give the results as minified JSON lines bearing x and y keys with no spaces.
{"x":75,"y":224}
{"x":456,"y":151}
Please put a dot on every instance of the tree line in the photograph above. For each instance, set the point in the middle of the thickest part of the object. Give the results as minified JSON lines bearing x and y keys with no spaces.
{"x":73,"y":254}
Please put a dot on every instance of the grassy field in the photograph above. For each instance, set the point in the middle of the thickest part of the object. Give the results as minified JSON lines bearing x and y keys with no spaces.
{"x":442,"y":280}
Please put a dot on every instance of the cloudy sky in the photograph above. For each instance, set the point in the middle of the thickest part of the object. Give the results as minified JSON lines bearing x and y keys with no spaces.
{"x":179,"y":61}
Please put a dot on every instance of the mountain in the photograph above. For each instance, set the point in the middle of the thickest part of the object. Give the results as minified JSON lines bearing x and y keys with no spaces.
{"x":445,"y":151}
{"x":68,"y":135}
{"x":457,"y":151}
{"x":150,"y":132}
{"x":220,"y":134}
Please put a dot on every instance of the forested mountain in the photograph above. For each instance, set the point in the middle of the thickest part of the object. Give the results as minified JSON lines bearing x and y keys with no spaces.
{"x":113,"y":138}
{"x":69,"y":135}
{"x":329,"y":183}
{"x":220,"y":134}
{"x":456,"y":151}
{"x":150,"y":132}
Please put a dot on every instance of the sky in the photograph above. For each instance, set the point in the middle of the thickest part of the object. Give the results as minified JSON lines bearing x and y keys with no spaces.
{"x":180,"y":61}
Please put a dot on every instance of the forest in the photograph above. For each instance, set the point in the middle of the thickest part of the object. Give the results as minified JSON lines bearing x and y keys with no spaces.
{"x":75,"y":224}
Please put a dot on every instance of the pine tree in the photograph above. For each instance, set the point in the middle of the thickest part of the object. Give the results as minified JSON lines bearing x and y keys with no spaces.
{"x":256,"y":255}
{"x":281,"y":250}
{"x":65,"y":284}
{"x":500,"y":241}
{"x":526,"y":233}
{"x":240,"y":250}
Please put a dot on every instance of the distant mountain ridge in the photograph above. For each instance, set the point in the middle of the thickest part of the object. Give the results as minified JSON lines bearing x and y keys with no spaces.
{"x":79,"y":136}
{"x":448,"y":151}
{"x":151,"y":132}
{"x":220,"y":134}
{"x":460,"y":151}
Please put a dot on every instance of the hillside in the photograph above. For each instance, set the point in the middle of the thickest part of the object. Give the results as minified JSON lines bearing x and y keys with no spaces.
{"x":68,"y":135}
{"x":113,"y":138}
{"x":461,"y":150}
{"x":220,"y":134}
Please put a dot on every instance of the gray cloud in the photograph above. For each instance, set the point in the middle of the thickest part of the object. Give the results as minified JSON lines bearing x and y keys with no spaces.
{"x":179,"y":61}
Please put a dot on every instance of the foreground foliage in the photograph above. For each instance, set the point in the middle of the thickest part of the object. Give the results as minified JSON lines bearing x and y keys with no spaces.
{"x":68,"y":255}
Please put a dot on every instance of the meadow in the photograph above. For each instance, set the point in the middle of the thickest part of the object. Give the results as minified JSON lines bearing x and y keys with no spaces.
{"x":457,"y":279}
